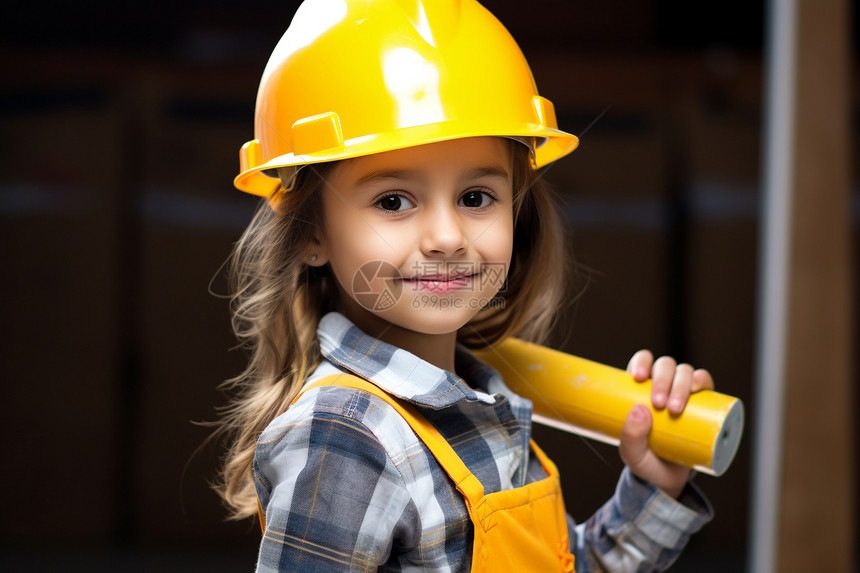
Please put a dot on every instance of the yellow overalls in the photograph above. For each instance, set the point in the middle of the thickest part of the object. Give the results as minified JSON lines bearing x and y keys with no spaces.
{"x":521,"y":529}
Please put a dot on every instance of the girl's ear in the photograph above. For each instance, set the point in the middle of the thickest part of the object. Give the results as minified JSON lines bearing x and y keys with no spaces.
{"x":316,"y":261}
{"x":316,"y":254}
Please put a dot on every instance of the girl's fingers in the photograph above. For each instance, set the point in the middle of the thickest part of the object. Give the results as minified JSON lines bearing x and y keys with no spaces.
{"x":640,"y":365}
{"x":671,"y":383}
{"x":662,"y":376}
{"x":635,"y":452}
{"x":633,"y":445}
{"x":682,"y":385}
{"x":702,"y":380}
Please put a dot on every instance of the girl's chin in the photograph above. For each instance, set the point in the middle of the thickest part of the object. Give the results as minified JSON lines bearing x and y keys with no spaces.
{"x":428,"y":321}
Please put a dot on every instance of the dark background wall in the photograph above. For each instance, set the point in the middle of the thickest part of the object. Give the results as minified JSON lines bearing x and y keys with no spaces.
{"x":119,"y":130}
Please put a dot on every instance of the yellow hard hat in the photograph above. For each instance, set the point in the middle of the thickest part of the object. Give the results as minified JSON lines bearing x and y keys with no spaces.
{"x":355,"y":77}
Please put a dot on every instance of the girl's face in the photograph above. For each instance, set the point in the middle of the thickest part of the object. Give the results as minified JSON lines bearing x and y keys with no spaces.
{"x":420,"y":238}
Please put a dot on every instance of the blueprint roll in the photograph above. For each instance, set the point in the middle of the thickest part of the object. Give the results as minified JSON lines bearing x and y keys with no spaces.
{"x":592,"y":400}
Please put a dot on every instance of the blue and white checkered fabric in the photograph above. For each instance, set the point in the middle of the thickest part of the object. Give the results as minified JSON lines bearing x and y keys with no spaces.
{"x":347,"y":486}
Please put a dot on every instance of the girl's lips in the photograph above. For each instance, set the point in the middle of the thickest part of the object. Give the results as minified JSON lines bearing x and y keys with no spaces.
{"x":440,"y":284}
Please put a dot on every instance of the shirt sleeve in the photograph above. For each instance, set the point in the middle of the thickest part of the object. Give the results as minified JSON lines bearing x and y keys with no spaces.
{"x":639,"y":529}
{"x":332,"y":497}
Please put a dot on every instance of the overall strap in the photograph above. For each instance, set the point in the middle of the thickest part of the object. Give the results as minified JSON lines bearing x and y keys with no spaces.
{"x":466,"y":482}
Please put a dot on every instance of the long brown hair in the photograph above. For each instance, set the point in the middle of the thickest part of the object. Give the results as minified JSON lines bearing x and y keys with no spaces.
{"x":277,"y":301}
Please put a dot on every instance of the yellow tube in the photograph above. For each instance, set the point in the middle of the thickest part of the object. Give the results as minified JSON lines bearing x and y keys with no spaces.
{"x":592,"y":400}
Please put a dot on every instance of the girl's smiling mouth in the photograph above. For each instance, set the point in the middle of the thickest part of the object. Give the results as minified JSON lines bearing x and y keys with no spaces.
{"x":440,"y":283}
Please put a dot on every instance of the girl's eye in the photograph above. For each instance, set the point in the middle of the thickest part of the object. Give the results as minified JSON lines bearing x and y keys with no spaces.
{"x":476,"y":199}
{"x":394,"y":203}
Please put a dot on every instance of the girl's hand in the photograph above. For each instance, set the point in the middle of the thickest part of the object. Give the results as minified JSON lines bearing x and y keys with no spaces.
{"x":672,"y":384}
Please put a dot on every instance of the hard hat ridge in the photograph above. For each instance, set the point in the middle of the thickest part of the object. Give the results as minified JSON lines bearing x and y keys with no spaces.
{"x":435,"y":22}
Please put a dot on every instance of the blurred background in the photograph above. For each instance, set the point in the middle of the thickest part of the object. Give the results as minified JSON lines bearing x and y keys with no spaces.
{"x":120,"y":125}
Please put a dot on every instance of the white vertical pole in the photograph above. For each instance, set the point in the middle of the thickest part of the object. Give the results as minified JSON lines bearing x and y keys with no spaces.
{"x":774,"y":249}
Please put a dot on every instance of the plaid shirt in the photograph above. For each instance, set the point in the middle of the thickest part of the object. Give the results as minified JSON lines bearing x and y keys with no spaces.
{"x":347,"y":486}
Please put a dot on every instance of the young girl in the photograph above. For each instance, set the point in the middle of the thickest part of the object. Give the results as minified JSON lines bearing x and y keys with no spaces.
{"x":397,"y":145}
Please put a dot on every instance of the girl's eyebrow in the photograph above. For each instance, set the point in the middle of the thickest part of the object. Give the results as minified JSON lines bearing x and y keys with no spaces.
{"x":413,"y":175}
{"x":480,"y":172}
{"x":406,"y":174}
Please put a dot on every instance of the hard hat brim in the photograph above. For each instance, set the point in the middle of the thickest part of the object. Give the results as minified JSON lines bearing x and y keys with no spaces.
{"x":556,"y":144}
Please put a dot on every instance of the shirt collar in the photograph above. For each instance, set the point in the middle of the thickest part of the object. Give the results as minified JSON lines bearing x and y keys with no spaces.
{"x":403,"y":374}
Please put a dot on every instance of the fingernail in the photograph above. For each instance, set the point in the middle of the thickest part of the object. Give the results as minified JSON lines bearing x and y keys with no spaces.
{"x":638,"y":413}
{"x":659,"y":400}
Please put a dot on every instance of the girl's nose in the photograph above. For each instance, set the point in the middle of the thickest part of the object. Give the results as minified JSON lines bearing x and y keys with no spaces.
{"x":443,"y":233}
